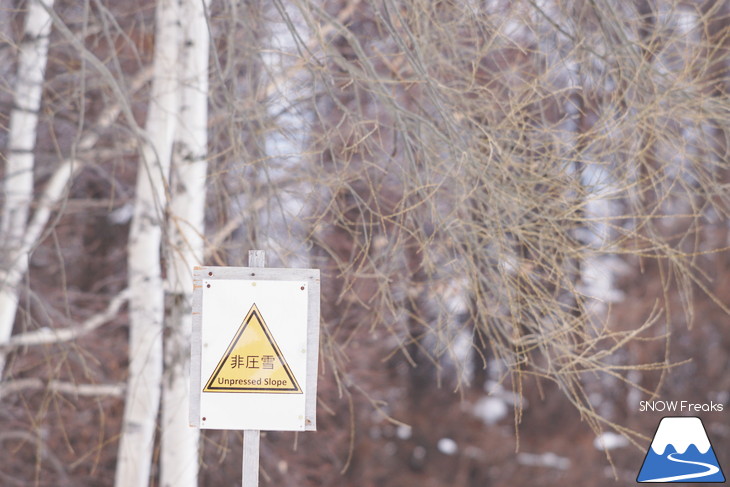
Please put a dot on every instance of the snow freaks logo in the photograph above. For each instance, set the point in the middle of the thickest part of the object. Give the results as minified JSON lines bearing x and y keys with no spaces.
{"x":681,"y":452}
{"x":679,"y":406}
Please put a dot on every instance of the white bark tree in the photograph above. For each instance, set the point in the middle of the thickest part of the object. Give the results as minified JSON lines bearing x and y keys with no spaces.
{"x":146,"y":308}
{"x":18,"y":181}
{"x":179,"y":454}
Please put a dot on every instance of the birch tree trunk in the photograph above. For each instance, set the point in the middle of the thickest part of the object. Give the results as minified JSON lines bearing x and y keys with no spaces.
{"x":146,"y":306}
{"x":18,"y":181}
{"x":179,"y":457}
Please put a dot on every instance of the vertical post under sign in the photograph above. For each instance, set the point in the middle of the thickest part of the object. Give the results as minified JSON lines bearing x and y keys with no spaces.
{"x":252,"y":438}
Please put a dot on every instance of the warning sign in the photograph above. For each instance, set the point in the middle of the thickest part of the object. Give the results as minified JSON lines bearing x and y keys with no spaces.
{"x":254,"y":348}
{"x":253,"y":362}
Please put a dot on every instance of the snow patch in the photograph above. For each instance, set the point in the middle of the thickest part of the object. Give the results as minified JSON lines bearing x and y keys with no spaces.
{"x":609,"y":441}
{"x":490,"y":409}
{"x":550,"y":460}
{"x":403,"y":432}
{"x":447,"y":446}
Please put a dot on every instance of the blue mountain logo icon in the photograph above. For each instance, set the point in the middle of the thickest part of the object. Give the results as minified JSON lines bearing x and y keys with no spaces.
{"x":681,"y":452}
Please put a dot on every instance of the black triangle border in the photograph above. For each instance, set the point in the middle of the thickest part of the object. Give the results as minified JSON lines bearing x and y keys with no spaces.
{"x":254,"y":311}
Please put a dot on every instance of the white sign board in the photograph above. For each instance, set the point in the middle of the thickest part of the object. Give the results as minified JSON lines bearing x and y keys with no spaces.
{"x":254,"y":348}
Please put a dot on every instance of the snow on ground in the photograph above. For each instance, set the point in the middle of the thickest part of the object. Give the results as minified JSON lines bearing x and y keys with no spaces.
{"x":490,"y":409}
{"x":550,"y":460}
{"x":609,"y":441}
{"x":447,"y":446}
{"x":404,"y":432}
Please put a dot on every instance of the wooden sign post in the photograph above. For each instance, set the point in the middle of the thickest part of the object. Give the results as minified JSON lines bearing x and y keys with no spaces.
{"x":254,"y":352}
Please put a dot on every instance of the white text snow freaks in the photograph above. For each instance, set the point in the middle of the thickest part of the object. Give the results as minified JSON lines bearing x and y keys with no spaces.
{"x":679,"y":406}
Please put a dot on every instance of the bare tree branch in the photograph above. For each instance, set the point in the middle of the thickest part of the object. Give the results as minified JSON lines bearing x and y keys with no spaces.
{"x":47,"y":336}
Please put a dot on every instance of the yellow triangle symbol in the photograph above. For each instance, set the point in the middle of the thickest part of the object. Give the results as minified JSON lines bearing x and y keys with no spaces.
{"x":253,"y":363}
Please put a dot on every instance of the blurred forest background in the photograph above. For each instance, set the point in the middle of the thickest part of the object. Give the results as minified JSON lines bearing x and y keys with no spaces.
{"x":520,"y":210}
